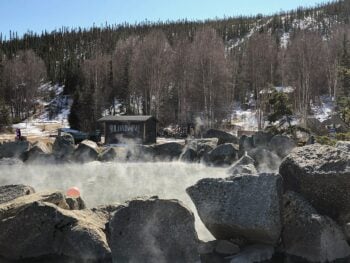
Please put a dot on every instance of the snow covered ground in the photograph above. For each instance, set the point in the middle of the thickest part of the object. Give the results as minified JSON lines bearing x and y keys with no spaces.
{"x":323,"y":110}
{"x":53,"y":114}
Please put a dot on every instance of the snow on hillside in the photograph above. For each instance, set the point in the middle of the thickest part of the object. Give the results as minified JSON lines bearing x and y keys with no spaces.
{"x":253,"y":30}
{"x":324,"y":109}
{"x":52,"y":112}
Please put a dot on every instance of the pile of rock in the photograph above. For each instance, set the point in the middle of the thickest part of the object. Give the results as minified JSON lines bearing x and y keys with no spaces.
{"x":49,"y":227}
{"x":299,"y":215}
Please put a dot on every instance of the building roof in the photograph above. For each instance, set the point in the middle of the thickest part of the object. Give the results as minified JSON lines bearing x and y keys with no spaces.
{"x":126,"y":118}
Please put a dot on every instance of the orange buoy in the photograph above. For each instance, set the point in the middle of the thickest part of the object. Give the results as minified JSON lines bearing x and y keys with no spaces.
{"x":73,"y":192}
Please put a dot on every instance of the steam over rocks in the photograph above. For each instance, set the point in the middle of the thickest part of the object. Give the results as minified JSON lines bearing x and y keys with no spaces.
{"x":87,"y":151}
{"x":108,"y":155}
{"x":13,"y":149}
{"x":321,"y":174}
{"x":39,"y":153}
{"x":245,"y":165}
{"x":246,"y":206}
{"x":309,"y":235}
{"x":153,"y":230}
{"x":282,"y":145}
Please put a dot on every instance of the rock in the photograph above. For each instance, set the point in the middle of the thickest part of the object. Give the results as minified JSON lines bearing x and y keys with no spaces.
{"x":13,"y":149}
{"x":108,"y":155}
{"x":202,"y":146}
{"x":40,"y":153}
{"x":265,"y":160}
{"x":254,"y":253}
{"x":245,"y":165}
{"x":63,"y":147}
{"x":87,"y":151}
{"x":246,"y":207}
{"x":246,"y":143}
{"x":261,"y":139}
{"x":316,"y":127}
{"x":207,"y":247}
{"x":142,"y":153}
{"x":10,"y":192}
{"x":106,"y":211}
{"x":75,"y":203}
{"x":198,"y":144}
{"x":309,"y":235}
{"x":226,"y":248}
{"x":224,"y":154}
{"x":223,"y":137}
{"x":12,"y":207}
{"x":168,"y":151}
{"x":321,"y":174}
{"x":42,"y":229}
{"x":344,"y":146}
{"x":189,"y":156}
{"x":338,"y":122}
{"x":153,"y":230}
{"x":282,"y":145}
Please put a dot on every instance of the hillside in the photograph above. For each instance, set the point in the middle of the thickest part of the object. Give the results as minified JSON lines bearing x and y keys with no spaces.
{"x":185,"y":70}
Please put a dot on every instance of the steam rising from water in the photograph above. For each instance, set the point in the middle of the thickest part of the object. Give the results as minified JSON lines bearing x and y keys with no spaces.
{"x":106,"y":183}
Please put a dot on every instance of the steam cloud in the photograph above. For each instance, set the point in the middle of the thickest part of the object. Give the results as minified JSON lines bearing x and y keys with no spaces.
{"x":107,"y":183}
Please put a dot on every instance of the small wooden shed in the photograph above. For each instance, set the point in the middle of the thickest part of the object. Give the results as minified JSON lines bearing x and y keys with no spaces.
{"x":118,"y":129}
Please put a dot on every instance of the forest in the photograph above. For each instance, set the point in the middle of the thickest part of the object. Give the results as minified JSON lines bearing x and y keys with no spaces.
{"x":183,"y":70}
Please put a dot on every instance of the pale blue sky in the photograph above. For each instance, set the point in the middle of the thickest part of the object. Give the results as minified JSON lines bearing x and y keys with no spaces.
{"x":38,"y":15}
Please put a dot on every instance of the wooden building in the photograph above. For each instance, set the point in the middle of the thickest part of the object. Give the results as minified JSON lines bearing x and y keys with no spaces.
{"x":118,"y":129}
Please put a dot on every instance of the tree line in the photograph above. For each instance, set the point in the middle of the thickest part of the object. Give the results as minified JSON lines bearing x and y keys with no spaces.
{"x":180,"y":71}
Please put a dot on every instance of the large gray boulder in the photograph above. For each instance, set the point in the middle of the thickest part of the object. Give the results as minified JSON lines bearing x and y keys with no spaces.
{"x":344,"y":146}
{"x":37,"y":226}
{"x":168,"y":151}
{"x":321,"y":174}
{"x":64,"y":147}
{"x":40,"y":153}
{"x":153,"y":230}
{"x":282,"y":145}
{"x":10,"y":192}
{"x":245,"y":207}
{"x":222,"y":155}
{"x":13,"y":149}
{"x":309,"y":235}
{"x":87,"y":151}
{"x":223,"y":137}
